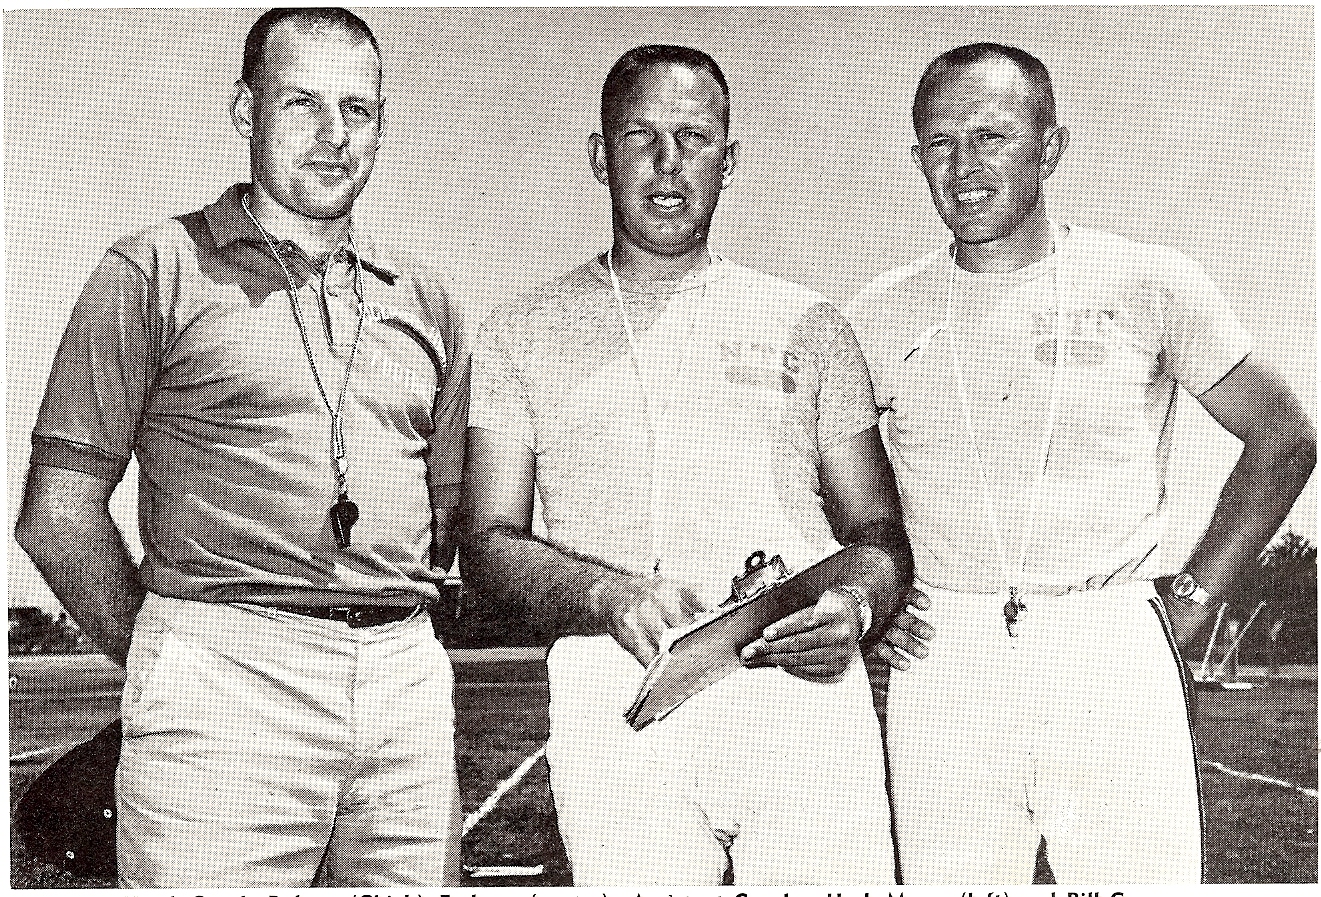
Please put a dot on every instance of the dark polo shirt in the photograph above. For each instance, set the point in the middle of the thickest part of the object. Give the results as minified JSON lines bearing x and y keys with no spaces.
{"x":183,"y":351}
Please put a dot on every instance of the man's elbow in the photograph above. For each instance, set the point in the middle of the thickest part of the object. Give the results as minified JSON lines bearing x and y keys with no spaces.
{"x":38,"y":534}
{"x":1293,"y":448}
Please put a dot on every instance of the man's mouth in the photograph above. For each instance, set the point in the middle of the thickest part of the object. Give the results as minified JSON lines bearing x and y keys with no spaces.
{"x":971,"y":196}
{"x":327,"y":167}
{"x":667,"y":201}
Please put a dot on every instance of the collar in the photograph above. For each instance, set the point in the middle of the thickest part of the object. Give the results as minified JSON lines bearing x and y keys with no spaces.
{"x":229,"y":224}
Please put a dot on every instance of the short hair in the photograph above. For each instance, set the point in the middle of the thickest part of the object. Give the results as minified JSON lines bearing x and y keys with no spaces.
{"x":627,"y":71}
{"x":1034,"y":72}
{"x":310,"y":18}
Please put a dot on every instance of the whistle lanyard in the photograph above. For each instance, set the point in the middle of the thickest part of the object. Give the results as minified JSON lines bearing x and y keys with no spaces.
{"x":654,"y":413}
{"x":344,"y":513}
{"x":1012,"y":579}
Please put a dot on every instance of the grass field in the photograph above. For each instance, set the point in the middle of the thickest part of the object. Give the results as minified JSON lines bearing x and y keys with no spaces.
{"x":1255,"y":832}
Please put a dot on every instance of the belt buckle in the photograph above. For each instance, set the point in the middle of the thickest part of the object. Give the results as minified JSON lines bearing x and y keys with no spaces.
{"x":353,"y":616}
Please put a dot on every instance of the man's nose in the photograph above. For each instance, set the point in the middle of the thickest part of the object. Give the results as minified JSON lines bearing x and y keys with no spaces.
{"x":669,"y":155}
{"x":332,"y":130}
{"x":964,"y":160}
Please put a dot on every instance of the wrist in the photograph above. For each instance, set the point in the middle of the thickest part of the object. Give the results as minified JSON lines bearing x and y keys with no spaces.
{"x":862,"y":601}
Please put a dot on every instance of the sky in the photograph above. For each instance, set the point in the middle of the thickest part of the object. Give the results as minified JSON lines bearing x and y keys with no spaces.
{"x":1192,"y":127}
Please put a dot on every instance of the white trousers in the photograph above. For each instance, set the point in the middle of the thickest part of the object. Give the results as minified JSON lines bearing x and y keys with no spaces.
{"x":781,"y":778}
{"x":258,"y":743}
{"x":1077,"y":730}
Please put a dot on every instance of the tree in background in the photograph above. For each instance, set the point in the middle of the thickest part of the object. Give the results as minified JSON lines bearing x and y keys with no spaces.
{"x":1285,"y":578}
{"x":33,"y":631}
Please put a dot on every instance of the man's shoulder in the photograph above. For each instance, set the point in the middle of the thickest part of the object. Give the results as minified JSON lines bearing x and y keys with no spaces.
{"x":549,"y":306}
{"x":903,"y":298}
{"x":769,"y":296}
{"x":1121,"y":253}
{"x":165,"y":242}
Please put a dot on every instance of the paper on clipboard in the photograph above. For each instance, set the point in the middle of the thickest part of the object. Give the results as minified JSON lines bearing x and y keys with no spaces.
{"x":707,"y":650}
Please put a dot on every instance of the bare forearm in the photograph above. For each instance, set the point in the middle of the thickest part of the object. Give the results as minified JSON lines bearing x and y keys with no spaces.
{"x":1261,"y":489}
{"x":557,"y":591}
{"x":88,"y":567}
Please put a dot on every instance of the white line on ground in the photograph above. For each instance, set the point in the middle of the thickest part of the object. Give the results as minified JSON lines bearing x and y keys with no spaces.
{"x":1254,"y":777}
{"x":501,"y":790}
{"x":39,"y":753}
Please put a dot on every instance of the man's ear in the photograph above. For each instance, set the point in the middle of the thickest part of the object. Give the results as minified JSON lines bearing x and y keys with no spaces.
{"x":917,"y":158}
{"x":240,"y":109}
{"x":1052,"y":149}
{"x":596,"y":156}
{"x":380,"y":121}
{"x":731,"y":159}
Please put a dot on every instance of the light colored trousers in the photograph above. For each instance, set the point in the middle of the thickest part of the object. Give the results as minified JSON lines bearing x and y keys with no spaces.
{"x":781,"y":777}
{"x":261,"y":746}
{"x":1077,"y":730}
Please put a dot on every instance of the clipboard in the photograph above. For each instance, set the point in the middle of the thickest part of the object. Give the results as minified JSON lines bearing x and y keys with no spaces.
{"x":707,"y":650}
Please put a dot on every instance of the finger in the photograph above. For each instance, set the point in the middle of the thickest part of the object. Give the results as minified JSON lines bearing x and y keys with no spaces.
{"x":822,"y":636}
{"x":906,"y":642}
{"x":650,"y":623}
{"x":798,"y":621}
{"x":691,"y":603}
{"x":918,"y":599}
{"x":891,"y":656}
{"x":668,"y":604}
{"x":813,"y":657}
{"x":916,"y":625}
{"x":817,"y":673}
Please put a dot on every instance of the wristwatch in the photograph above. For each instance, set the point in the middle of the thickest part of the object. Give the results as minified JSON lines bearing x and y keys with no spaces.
{"x":859,"y":594}
{"x":1185,"y":588}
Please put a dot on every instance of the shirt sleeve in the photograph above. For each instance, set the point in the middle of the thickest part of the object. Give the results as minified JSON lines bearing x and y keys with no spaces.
{"x":863,"y":314}
{"x":101,"y":378}
{"x":845,"y":404}
{"x":1202,"y":339}
{"x":499,"y":399}
{"x":448,"y":440}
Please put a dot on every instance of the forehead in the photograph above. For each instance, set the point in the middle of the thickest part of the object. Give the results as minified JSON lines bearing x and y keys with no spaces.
{"x":991,"y":89}
{"x":324,"y":60}
{"x":671,"y":90}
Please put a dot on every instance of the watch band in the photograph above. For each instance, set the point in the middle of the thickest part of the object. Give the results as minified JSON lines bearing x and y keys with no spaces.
{"x":859,"y":594}
{"x":1185,"y":588}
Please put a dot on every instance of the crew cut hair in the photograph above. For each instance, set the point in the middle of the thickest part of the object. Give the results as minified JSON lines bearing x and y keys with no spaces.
{"x":329,"y":17}
{"x":626,"y":72}
{"x":1034,"y":72}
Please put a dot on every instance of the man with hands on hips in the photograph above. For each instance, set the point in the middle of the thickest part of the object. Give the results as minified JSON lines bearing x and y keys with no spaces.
{"x":677,"y":412}
{"x":1028,"y":375}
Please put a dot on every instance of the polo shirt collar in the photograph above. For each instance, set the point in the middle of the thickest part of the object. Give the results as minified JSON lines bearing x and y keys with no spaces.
{"x":229,"y":224}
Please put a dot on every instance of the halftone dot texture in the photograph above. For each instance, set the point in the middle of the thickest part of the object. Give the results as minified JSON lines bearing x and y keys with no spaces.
{"x":258,"y":743}
{"x":1076,"y":729}
{"x":116,"y":119}
{"x":747,"y":379}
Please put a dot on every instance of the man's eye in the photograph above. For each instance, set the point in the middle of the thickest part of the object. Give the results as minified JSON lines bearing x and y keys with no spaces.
{"x":637,"y":136}
{"x":991,"y":136}
{"x":694,"y":138}
{"x":304,"y":102}
{"x":358,"y":111}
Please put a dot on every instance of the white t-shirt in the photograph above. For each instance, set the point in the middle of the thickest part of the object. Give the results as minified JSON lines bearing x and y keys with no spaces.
{"x":748,"y":378}
{"x":1139,"y":320}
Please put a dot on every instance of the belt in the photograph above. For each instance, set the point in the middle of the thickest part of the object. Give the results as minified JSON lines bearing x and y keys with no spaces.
{"x":358,"y":616}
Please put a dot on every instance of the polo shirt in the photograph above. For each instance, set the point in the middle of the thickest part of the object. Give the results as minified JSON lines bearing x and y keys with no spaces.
{"x":183,"y":351}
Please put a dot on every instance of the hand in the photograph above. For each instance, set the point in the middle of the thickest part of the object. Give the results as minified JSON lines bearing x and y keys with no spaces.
{"x":906,"y":632}
{"x":815,"y":643}
{"x":645,"y":609}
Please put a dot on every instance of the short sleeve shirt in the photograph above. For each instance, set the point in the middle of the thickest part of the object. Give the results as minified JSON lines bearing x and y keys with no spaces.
{"x":183,"y":350}
{"x":695,"y":451}
{"x":1139,"y":321}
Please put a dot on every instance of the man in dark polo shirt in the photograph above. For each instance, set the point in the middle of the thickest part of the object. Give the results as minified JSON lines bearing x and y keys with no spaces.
{"x":296,"y":399}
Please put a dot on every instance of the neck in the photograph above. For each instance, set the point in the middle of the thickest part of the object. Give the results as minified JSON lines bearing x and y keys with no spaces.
{"x":639,"y":266}
{"x":317,"y":237}
{"x":1029,"y":243}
